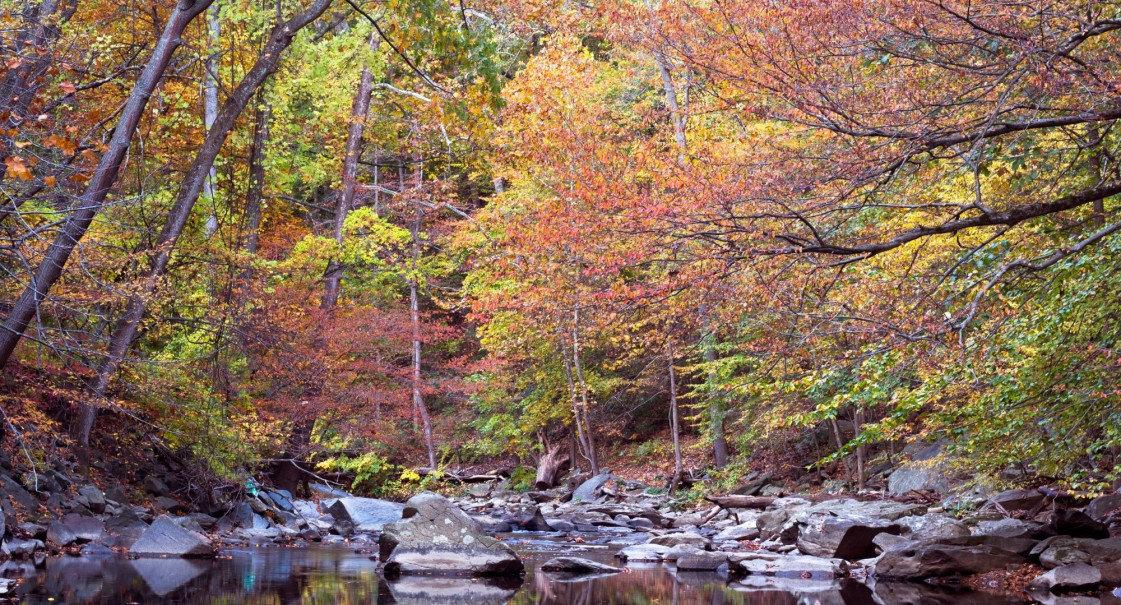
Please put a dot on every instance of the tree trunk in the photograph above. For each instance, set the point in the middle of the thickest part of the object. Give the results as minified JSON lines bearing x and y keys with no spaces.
{"x":210,"y":88}
{"x":256,"y":190}
{"x":676,"y":115}
{"x":189,"y":191}
{"x":414,"y":316}
{"x":358,"y":114}
{"x":580,"y":432}
{"x":674,"y":425}
{"x":584,"y":405}
{"x":89,"y":204}
{"x":857,"y":421}
{"x":551,"y":463}
{"x":716,"y":414}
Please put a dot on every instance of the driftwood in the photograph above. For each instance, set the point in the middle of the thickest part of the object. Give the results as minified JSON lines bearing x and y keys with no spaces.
{"x":756,"y":502}
{"x":550,"y":465}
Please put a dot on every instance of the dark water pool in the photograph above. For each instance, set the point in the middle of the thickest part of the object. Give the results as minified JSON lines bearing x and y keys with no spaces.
{"x":341,"y":576}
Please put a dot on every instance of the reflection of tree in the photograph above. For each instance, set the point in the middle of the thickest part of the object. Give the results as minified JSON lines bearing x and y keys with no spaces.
{"x":642,"y":586}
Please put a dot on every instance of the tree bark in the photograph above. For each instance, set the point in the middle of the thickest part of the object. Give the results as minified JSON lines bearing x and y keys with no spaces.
{"x":414,"y":316}
{"x":210,"y":88}
{"x":674,"y":424}
{"x":255,"y":193}
{"x":189,"y":191}
{"x":358,"y":114}
{"x":89,"y":204}
{"x":552,"y":461}
{"x":580,"y":433}
{"x":716,"y":414}
{"x":584,"y":405}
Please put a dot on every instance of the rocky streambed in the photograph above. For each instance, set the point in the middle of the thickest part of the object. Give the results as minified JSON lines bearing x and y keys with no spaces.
{"x":606,"y":526}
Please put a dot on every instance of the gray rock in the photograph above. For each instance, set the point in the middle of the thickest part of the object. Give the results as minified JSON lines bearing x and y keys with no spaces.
{"x":282,"y":499}
{"x":85,"y":529}
{"x":922,"y":473}
{"x":790,"y":566}
{"x":17,"y":548}
{"x":117,"y":494}
{"x":643,"y":552}
{"x":577,"y":565}
{"x":587,"y":490}
{"x":59,"y":535}
{"x":744,"y":531}
{"x":492,"y":525}
{"x":437,"y":537}
{"x":17,"y":494}
{"x":932,"y":525}
{"x":1099,"y":508}
{"x":681,"y":550}
{"x":561,"y":525}
{"x":678,"y":539}
{"x":367,"y":514}
{"x":166,"y":538}
{"x":1017,"y":499}
{"x":446,"y":590}
{"x":930,"y":559}
{"x":168,"y":504}
{"x":1006,"y":528}
{"x":165,"y":577}
{"x":127,"y":530}
{"x":707,"y":561}
{"x":155,"y":486}
{"x":642,"y":523}
{"x":1072,"y":577}
{"x":93,"y":498}
{"x":535,"y":521}
{"x":326,"y":491}
{"x":842,"y":538}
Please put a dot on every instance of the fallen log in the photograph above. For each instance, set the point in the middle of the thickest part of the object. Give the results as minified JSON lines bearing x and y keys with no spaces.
{"x":756,"y":502}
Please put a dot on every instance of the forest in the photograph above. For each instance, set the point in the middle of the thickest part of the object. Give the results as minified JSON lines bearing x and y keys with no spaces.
{"x":394,"y":242}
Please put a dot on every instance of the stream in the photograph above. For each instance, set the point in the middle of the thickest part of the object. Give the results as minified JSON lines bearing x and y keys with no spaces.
{"x":340,"y":575}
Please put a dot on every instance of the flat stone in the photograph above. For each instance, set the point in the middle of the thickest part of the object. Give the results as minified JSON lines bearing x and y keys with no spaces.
{"x":18,"y":494}
{"x":932,"y":525}
{"x":677,"y":539}
{"x":166,"y":538}
{"x":707,"y":561}
{"x":1100,"y":507}
{"x":790,"y":566}
{"x":1018,"y":499}
{"x":577,"y":565}
{"x":586,"y":491}
{"x":919,"y":560}
{"x":435,"y":536}
{"x":1072,"y":577}
{"x":743,"y":531}
{"x":842,"y":538}
{"x":366,"y":514}
{"x":1006,"y":528}
{"x":85,"y":529}
{"x":127,"y":530}
{"x":59,"y":535}
{"x":643,"y":552}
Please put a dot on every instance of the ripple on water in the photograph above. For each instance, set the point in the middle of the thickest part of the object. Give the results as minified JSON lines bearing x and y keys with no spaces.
{"x":338,"y":575}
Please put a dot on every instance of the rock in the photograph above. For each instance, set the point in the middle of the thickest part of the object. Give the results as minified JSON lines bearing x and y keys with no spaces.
{"x":743,"y":531}
{"x":919,"y":560}
{"x":535,"y":522}
{"x":1006,"y":528}
{"x":643,"y":552}
{"x":844,"y":538}
{"x":1101,"y":507}
{"x":587,"y":490}
{"x":641,"y":523}
{"x":117,"y":494}
{"x":367,"y":514}
{"x":889,"y":541}
{"x":155,"y":486}
{"x":561,"y":525}
{"x":326,"y":491}
{"x":166,"y":538}
{"x":1017,"y":499}
{"x":169,"y":504}
{"x":492,"y":525}
{"x":1077,"y":524}
{"x":58,"y":535}
{"x":790,"y":566}
{"x":920,"y":474}
{"x":932,"y":525}
{"x":17,"y":494}
{"x":22,"y":548}
{"x":681,"y":550}
{"x":282,"y":499}
{"x":437,"y":537}
{"x":445,"y":590}
{"x":127,"y":530}
{"x":165,"y":577}
{"x":1072,"y":577}
{"x":480,"y":490}
{"x":708,"y":561}
{"x":257,"y":504}
{"x":577,"y":565}
{"x":678,"y":539}
{"x":93,"y":498}
{"x":85,"y":529}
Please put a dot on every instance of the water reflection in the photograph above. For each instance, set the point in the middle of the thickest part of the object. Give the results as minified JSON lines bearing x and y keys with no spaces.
{"x":339,"y":576}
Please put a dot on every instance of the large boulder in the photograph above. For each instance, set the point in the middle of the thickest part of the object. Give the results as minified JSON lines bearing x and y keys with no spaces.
{"x":166,"y":538}
{"x":577,"y":565}
{"x":437,"y":537}
{"x":1007,"y":528}
{"x":643,"y":552}
{"x":790,"y":566}
{"x":1101,"y":507}
{"x":1076,"y":576}
{"x":932,"y":525}
{"x":922,"y":473}
{"x":842,"y":538}
{"x":366,"y":514}
{"x":93,"y":498}
{"x":85,"y":529}
{"x":587,"y":490}
{"x":679,"y":538}
{"x":918,"y":560}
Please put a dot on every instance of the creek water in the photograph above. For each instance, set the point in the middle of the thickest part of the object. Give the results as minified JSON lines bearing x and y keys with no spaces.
{"x":340,"y":575}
